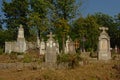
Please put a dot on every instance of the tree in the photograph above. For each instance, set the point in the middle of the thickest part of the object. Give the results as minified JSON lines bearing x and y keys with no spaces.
{"x":62,"y":28}
{"x":16,"y":13}
{"x":0,"y":23}
{"x":108,"y":21}
{"x":64,"y":10}
{"x":117,"y":19}
{"x":38,"y":17}
{"x":68,"y":8}
{"x":87,"y":29}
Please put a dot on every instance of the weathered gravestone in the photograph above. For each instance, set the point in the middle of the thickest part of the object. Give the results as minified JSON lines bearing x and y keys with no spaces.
{"x":116,"y":49}
{"x":70,"y":47}
{"x":21,"y":43}
{"x":38,"y":42}
{"x":51,"y":51}
{"x":57,"y":47}
{"x":104,"y":45}
{"x":42,"y":47}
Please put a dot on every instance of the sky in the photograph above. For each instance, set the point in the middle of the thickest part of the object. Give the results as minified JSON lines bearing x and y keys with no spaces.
{"x":110,"y":7}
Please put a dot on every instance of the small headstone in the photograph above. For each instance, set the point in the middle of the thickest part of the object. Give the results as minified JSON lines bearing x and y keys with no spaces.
{"x":57,"y":47}
{"x":42,"y":47}
{"x":70,"y":47}
{"x":104,"y":45}
{"x":116,"y":49}
{"x":51,"y":51}
{"x":8,"y":47}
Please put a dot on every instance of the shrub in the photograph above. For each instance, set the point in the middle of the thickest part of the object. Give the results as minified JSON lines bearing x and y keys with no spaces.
{"x":13,"y":55}
{"x":27,"y":58}
{"x":71,"y":59}
{"x":1,"y":50}
{"x":41,"y":59}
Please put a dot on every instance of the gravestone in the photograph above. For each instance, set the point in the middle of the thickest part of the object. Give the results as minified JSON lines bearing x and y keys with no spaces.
{"x":38,"y":42}
{"x":104,"y":45}
{"x":70,"y":47}
{"x":42,"y":47}
{"x":51,"y":51}
{"x":57,"y":47}
{"x":8,"y":47}
{"x":116,"y":49}
{"x":21,"y":43}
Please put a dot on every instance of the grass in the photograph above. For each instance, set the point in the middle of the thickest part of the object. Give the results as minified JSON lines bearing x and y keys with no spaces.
{"x":92,"y":71}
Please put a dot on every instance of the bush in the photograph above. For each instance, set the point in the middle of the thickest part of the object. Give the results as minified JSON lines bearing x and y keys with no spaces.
{"x":1,"y":50}
{"x":71,"y":59}
{"x":27,"y":58}
{"x":13,"y":55}
{"x":41,"y":59}
{"x":93,"y":54}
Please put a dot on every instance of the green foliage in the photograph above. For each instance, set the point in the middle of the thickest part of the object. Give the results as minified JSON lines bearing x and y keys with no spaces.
{"x":87,"y":28}
{"x":108,"y":21}
{"x":71,"y":59}
{"x":62,"y":58}
{"x":16,"y":13}
{"x":1,"y":51}
{"x":117,"y":36}
{"x":67,"y":9}
{"x":41,"y":59}
{"x":38,"y":17}
{"x":40,"y":6}
{"x":27,"y":58}
{"x":62,"y":28}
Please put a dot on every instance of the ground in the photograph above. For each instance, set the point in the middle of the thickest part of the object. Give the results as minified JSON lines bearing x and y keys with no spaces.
{"x":91,"y":71}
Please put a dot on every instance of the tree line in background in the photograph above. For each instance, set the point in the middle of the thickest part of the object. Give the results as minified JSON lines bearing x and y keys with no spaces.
{"x":62,"y":17}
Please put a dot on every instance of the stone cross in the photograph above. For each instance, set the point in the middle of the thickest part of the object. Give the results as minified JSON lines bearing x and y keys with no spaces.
{"x":50,"y":35}
{"x":103,"y":28}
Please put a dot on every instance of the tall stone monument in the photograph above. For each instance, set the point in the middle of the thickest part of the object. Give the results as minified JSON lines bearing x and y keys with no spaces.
{"x":21,"y":43}
{"x":104,"y":45}
{"x":51,"y":51}
{"x":70,"y":47}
